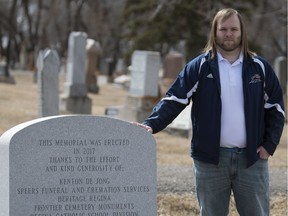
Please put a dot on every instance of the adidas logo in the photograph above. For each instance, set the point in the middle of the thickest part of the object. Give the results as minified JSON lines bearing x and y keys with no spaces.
{"x":210,"y":76}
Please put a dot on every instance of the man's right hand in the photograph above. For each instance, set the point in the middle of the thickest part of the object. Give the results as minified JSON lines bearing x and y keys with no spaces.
{"x":147,"y":128}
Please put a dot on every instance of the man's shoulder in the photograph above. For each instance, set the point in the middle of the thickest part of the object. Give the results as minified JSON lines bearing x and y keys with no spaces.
{"x":258,"y":58}
{"x":199,"y":60}
{"x":263,"y":63}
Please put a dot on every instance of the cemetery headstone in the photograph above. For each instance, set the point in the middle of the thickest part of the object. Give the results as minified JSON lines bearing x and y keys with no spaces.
{"x":75,"y":99}
{"x":5,"y":77}
{"x":110,"y":69}
{"x":2,"y":69}
{"x":48,"y":65}
{"x":94,"y":51}
{"x":181,"y":125}
{"x":280,"y":67}
{"x":144,"y":86}
{"x":145,"y":74}
{"x":77,"y":165}
{"x":172,"y":65}
{"x":23,"y":56}
{"x":120,"y":67}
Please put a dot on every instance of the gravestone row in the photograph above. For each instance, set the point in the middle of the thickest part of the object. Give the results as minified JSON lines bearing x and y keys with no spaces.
{"x":144,"y":90}
{"x":81,"y":77}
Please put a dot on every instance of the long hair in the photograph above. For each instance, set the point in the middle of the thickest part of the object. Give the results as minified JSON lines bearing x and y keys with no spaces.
{"x":220,"y":17}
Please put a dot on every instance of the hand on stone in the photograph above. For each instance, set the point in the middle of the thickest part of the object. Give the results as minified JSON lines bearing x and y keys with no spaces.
{"x":147,"y":128}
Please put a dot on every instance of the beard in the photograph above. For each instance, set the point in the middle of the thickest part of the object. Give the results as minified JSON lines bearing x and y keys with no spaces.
{"x":228,"y":45}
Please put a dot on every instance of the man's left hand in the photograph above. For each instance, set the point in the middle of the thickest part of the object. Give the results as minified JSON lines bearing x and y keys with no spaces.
{"x":263,"y":153}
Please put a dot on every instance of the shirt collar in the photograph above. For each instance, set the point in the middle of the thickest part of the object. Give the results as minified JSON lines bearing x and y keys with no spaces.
{"x":238,"y":61}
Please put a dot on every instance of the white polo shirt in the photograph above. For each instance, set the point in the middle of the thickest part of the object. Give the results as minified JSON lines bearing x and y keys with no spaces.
{"x":233,"y":130}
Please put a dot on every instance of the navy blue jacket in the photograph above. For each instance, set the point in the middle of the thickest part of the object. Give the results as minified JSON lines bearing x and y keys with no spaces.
{"x":263,"y":105}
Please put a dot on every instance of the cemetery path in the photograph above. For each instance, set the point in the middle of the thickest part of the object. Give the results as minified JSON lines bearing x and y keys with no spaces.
{"x":179,"y":180}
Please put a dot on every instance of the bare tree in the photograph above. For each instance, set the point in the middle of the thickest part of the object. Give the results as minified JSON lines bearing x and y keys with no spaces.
{"x":8,"y":22}
{"x":156,"y":24}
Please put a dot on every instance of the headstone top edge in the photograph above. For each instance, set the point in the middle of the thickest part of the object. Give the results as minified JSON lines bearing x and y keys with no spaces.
{"x":144,"y":52}
{"x":7,"y":135}
{"x":78,"y":33}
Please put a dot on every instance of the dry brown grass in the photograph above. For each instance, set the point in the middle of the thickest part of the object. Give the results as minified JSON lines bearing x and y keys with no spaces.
{"x":175,"y":150}
{"x":19,"y":104}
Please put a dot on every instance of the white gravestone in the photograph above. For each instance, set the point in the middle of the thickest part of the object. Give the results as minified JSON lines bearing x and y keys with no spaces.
{"x":75,"y":85}
{"x":75,"y":99}
{"x":280,"y":67}
{"x":145,"y":73}
{"x":77,"y":165}
{"x":182,"y":124}
{"x":48,"y":65}
{"x":144,"y":86}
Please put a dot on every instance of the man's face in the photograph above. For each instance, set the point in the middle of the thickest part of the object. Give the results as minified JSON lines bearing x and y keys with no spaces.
{"x":228,"y":34}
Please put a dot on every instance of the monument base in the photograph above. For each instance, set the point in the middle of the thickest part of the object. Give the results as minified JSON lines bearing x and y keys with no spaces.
{"x":77,"y":105}
{"x":75,"y":90}
{"x":133,"y":114}
{"x":146,"y":102}
{"x":136,"y":108}
{"x":127,"y":113}
{"x":93,"y":88}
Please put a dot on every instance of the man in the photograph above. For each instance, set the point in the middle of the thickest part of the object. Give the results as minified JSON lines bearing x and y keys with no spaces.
{"x":237,"y":117}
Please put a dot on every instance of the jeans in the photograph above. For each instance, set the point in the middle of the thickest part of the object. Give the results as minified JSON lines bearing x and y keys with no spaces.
{"x":250,"y":186}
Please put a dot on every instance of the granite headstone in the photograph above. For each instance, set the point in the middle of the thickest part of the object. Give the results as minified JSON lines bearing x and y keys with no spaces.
{"x":280,"y":66}
{"x":94,"y":51}
{"x":74,"y":98}
{"x":182,"y":124}
{"x":172,"y":66}
{"x":48,"y":65}
{"x":78,"y":165}
{"x":144,"y":87}
{"x":145,"y":73}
